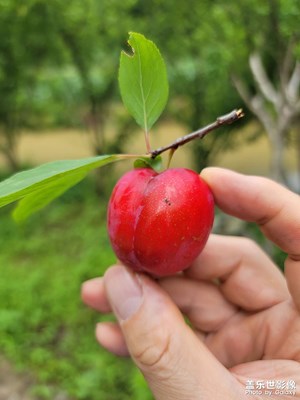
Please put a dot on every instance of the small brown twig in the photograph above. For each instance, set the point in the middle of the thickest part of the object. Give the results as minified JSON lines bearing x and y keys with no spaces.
{"x":220,"y":121}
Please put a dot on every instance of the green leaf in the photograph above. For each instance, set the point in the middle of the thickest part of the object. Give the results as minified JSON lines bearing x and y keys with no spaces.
{"x":148,"y":162}
{"x":143,"y":81}
{"x":41,"y":197}
{"x":38,"y":186}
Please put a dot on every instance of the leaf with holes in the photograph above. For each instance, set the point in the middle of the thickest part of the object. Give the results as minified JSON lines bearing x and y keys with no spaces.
{"x":143,"y":81}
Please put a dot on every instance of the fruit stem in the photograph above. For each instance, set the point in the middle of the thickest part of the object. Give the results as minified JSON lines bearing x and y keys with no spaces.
{"x":199,"y":134}
{"x":171,"y":152}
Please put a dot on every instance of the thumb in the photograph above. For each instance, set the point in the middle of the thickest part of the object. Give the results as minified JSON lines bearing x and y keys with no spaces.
{"x":175,"y":363}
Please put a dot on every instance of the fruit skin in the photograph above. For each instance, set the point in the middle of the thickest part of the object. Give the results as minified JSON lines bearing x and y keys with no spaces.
{"x":159,"y":222}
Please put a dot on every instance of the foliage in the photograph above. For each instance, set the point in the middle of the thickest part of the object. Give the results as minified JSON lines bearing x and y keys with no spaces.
{"x":44,"y":327}
{"x":78,"y":45}
{"x":144,"y":89}
{"x":272,"y":90}
{"x":22,"y":53}
{"x":211,"y":42}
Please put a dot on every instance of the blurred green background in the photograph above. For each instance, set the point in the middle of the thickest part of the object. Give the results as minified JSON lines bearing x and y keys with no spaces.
{"x":59,"y":99}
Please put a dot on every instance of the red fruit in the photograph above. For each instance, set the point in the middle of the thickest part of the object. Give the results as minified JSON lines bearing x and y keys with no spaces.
{"x":159,"y":223}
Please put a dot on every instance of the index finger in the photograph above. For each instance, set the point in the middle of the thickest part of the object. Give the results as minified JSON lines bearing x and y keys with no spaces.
{"x":270,"y":205}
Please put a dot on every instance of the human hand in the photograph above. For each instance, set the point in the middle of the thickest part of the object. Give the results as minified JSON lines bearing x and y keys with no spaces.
{"x":245,"y":314}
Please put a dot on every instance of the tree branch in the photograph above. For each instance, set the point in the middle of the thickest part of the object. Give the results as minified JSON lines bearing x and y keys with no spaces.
{"x":255,"y":104}
{"x":287,"y":63}
{"x":264,"y":84}
{"x":243,"y":92}
{"x":226,"y":119}
{"x":293,"y":86}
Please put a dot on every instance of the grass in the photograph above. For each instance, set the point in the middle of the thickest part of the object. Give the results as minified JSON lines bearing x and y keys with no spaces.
{"x":44,"y":327}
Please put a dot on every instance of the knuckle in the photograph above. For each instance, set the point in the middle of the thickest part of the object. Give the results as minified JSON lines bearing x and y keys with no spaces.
{"x":248,"y":245}
{"x":237,"y":347}
{"x":154,"y":353}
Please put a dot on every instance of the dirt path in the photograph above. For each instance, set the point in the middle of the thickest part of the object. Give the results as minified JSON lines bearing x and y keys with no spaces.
{"x":36,"y":148}
{"x":13,"y":386}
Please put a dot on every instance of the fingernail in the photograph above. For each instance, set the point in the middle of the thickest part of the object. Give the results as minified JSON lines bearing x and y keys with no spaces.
{"x":124,"y":292}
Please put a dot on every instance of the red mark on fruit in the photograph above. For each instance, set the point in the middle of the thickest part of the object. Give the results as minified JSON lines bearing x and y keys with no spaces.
{"x":159,"y":222}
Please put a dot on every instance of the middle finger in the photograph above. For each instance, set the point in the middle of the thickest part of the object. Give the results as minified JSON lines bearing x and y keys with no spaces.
{"x":202,"y":302}
{"x":248,"y":277}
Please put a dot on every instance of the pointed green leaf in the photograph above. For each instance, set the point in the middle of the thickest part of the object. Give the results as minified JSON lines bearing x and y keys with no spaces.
{"x":143,"y":81}
{"x":38,"y":186}
{"x":41,"y":197}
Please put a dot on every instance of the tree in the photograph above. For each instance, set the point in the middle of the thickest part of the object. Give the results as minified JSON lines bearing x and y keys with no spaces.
{"x":22,"y":54}
{"x":41,"y":39}
{"x":276,"y":108}
{"x":272,"y":91}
